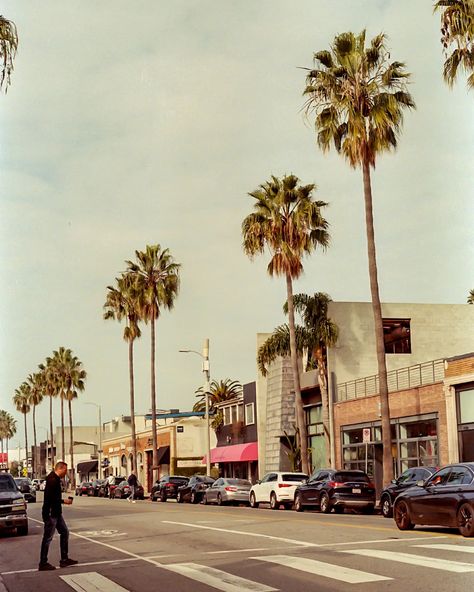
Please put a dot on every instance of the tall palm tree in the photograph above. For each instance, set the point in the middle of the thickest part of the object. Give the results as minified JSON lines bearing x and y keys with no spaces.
{"x":358,"y":97}
{"x":121,"y":303}
{"x":289,"y":223}
{"x":470,"y":298}
{"x":8,"y":49}
{"x":51,"y":388}
{"x":457,"y":35}
{"x":36,"y":397}
{"x":7,"y":428}
{"x":21,"y":400}
{"x":219,"y":391}
{"x":58,"y":360}
{"x":156,"y":279}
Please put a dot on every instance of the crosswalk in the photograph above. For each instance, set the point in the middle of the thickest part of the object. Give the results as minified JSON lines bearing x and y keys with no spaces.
{"x":217,"y":579}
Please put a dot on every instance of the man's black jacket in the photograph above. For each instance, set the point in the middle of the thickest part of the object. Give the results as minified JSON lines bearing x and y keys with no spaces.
{"x":52,"y":497}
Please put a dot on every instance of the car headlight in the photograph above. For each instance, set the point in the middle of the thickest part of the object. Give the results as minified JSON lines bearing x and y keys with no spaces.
{"x":19,"y":504}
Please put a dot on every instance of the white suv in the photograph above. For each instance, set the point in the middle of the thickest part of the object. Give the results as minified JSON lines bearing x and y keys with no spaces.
{"x":276,"y":488}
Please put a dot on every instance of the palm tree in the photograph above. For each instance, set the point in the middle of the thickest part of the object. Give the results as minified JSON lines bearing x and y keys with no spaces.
{"x":156,"y":279}
{"x":49,"y":379}
{"x":36,"y":397}
{"x":123,"y":303}
{"x":457,"y":31}
{"x":7,"y":427}
{"x":358,"y":97}
{"x":219,"y":391}
{"x":289,"y":223}
{"x":8,"y":48}
{"x":470,"y":298}
{"x":58,"y":360}
{"x":21,"y":401}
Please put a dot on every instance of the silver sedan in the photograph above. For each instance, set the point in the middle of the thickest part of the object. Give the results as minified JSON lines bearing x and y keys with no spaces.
{"x":228,"y":491}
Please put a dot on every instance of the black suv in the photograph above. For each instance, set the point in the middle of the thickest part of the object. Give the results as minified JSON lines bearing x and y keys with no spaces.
{"x":12,"y":506}
{"x":328,"y":489}
{"x":194,"y":490}
{"x":407,"y":479}
{"x":167,"y":487}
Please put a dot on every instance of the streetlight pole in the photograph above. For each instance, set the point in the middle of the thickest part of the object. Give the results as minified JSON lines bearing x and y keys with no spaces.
{"x":46,"y":459}
{"x":99,"y":451}
{"x":206,"y":370}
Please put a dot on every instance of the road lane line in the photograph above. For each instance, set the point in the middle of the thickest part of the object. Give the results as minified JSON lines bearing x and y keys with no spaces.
{"x":236,"y":551}
{"x":443,"y":564}
{"x":252,"y":534}
{"x":378,"y":541}
{"x":458,"y":548}
{"x":217,"y":579}
{"x":8,"y":573}
{"x":327,"y":570}
{"x":92,"y":582}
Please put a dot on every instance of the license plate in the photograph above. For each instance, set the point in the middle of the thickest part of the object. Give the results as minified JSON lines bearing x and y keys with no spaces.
{"x":356,"y":491}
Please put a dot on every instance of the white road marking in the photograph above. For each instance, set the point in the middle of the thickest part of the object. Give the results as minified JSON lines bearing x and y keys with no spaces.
{"x":252,"y":534}
{"x":235,"y":551}
{"x":92,"y":582}
{"x":430,"y":538}
{"x":443,"y":564}
{"x":8,"y":573}
{"x":327,"y":570}
{"x":458,"y":548}
{"x":216,"y":578}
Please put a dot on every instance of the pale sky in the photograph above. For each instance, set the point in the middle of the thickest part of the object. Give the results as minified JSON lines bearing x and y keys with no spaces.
{"x":138,"y":122}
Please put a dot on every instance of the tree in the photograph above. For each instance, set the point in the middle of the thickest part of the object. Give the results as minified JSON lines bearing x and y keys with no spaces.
{"x":156,"y":279}
{"x":470,"y":298}
{"x":358,"y":97}
{"x":51,"y":387}
{"x":219,"y":391}
{"x":123,"y":303}
{"x":457,"y":36}
{"x":8,"y":49}
{"x":21,"y":400}
{"x":290,"y":225}
{"x":36,"y":397}
{"x":7,"y":428}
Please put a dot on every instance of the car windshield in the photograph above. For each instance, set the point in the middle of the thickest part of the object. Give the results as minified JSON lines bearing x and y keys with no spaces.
{"x":294,"y":477}
{"x":7,"y":483}
{"x":241,"y":482}
{"x":348,"y":477}
{"x":22,"y":481}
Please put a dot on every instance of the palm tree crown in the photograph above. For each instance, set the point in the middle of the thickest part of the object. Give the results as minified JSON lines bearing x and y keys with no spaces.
{"x":8,"y":48}
{"x":219,"y":392}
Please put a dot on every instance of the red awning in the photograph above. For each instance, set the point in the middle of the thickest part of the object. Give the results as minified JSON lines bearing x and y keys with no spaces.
{"x":235,"y":453}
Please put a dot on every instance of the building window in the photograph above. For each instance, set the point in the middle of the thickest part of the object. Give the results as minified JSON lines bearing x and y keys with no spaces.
{"x":316,"y":440}
{"x":249,"y":414}
{"x":227,"y":418}
{"x":396,"y":335}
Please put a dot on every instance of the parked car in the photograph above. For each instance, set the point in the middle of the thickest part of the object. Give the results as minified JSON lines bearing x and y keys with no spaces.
{"x":95,"y":487}
{"x":12,"y":506}
{"x":276,"y":488}
{"x":407,"y":479}
{"x":111,"y":483}
{"x":122,"y":490}
{"x":194,"y":489}
{"x":83,"y":488}
{"x":167,"y":487}
{"x":444,"y":499}
{"x":26,"y":488}
{"x":36,"y":483}
{"x":42,"y":484}
{"x":228,"y":491}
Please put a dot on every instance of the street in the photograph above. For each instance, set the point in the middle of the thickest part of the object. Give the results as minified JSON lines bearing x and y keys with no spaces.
{"x":179,"y":547}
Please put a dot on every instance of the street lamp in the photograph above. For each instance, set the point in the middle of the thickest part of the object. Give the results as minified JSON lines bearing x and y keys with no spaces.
{"x":99,"y":451}
{"x":205,"y":369}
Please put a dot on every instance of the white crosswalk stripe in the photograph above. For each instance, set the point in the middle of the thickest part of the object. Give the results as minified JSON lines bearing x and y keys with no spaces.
{"x":327,"y":570}
{"x":447,"y":547}
{"x":421,"y":561}
{"x":92,"y":582}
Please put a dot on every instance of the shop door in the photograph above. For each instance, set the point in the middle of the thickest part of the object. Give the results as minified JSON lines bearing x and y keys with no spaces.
{"x":466,"y":445}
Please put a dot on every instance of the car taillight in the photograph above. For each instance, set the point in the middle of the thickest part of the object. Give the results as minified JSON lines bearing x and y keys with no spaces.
{"x":371,"y":485}
{"x":169,"y":485}
{"x":229,"y":488}
{"x":285,"y":484}
{"x":335,"y":484}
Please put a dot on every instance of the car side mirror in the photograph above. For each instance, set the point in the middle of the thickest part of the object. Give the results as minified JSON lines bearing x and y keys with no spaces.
{"x":257,"y":482}
{"x":420,"y":483}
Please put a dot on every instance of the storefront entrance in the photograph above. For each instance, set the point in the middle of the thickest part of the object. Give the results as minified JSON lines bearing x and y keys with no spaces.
{"x":465,"y":413}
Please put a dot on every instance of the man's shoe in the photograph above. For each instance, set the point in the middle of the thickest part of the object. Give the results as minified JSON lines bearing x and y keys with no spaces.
{"x":45,"y":567}
{"x":68,"y":562}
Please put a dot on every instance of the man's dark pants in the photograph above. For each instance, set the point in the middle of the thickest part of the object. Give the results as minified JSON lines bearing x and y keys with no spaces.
{"x":50,"y":525}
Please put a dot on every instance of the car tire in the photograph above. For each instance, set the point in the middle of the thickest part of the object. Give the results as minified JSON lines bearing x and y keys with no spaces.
{"x":298,"y":503}
{"x":368,"y":510}
{"x":465,"y":520}
{"x":194,"y":498}
{"x":386,"y":506}
{"x":163,"y":497}
{"x":22,"y":530}
{"x":153,"y":498}
{"x":253,"y":501}
{"x":179,"y":498}
{"x":274,"y":503}
{"x":117,"y":494}
{"x":219,"y":500}
{"x":401,"y":514}
{"x":204,"y":500}
{"x":324,"y":504}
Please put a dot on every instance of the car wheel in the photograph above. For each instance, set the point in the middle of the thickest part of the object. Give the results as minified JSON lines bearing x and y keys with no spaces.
{"x":274,"y":503}
{"x":324,"y":504}
{"x":386,"y":507}
{"x":465,"y":520}
{"x":153,"y":498}
{"x":401,"y":514}
{"x":22,"y":530}
{"x":194,"y":499}
{"x":253,"y":500}
{"x":117,"y":494}
{"x":298,"y":503}
{"x":179,"y":498}
{"x":219,"y":500}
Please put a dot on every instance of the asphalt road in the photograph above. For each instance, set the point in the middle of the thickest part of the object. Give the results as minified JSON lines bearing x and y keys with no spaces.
{"x":182,"y":547}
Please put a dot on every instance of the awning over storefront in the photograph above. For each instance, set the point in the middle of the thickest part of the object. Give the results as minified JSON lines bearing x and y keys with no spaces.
{"x":235,"y":453}
{"x":86,"y":467}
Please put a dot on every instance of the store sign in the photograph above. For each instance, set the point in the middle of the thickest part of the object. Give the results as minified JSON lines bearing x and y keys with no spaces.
{"x":180,"y":429}
{"x":366,"y":435}
{"x":187,"y":463}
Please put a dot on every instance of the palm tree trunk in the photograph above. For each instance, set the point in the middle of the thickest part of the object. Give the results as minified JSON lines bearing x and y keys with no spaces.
{"x":26,"y":442}
{"x":153,"y":404}
{"x":300,"y":417}
{"x":379,"y":340}
{"x":71,"y":444}
{"x":35,"y":455}
{"x":132,"y":403}
{"x":63,"y":447}
{"x":51,"y":434}
{"x":323,"y":387}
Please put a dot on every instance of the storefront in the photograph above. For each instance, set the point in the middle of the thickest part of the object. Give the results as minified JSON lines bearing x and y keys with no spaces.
{"x":239,"y":461}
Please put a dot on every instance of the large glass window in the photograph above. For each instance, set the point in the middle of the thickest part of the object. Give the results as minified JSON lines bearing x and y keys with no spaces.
{"x":249,"y":414}
{"x":466,"y":406}
{"x":316,"y":440}
{"x":396,"y":335}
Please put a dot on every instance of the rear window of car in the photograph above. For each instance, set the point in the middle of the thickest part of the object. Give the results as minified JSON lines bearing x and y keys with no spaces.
{"x":178,"y":480}
{"x":294,"y":477}
{"x":347,"y":477}
{"x":7,"y":483}
{"x":22,"y":481}
{"x":207,"y":480}
{"x":241,"y":482}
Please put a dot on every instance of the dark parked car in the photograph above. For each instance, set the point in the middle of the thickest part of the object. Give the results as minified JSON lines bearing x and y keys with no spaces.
{"x":194,"y":490}
{"x":27,"y":488}
{"x":445,"y":499}
{"x":123,"y":490}
{"x":96,"y":487}
{"x":407,"y":479}
{"x":12,"y":506}
{"x":167,"y":487}
{"x":83,"y":488}
{"x":328,"y":489}
{"x":111,"y":483}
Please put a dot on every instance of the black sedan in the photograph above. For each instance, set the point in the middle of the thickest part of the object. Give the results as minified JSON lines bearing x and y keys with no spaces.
{"x":167,"y":487}
{"x":96,"y":488}
{"x":122,"y":490}
{"x":26,"y":488}
{"x":194,"y":490}
{"x":445,"y":499}
{"x":407,"y":479}
{"x":327,"y":489}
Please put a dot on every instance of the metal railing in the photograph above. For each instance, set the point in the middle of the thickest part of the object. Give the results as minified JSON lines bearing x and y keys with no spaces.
{"x":398,"y":380}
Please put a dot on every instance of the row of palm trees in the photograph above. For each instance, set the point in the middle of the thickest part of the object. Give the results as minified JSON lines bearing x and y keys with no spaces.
{"x":61,"y":376}
{"x":7,"y":429}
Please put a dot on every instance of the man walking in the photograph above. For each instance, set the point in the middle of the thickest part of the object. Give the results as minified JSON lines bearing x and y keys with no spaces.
{"x":132,"y":482}
{"x":53,"y":519}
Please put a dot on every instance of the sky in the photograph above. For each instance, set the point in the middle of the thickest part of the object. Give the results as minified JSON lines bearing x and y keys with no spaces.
{"x":145,"y":122}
